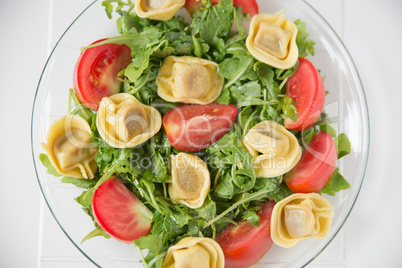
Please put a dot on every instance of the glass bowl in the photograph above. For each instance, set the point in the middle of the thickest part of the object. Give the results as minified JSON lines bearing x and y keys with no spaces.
{"x":346,"y":106}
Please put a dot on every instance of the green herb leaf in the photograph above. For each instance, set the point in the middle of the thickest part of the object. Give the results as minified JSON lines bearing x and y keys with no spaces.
{"x":286,"y":105}
{"x":46,"y":163}
{"x":152,"y":242}
{"x":224,"y":98}
{"x":330,"y":130}
{"x":85,"y":199}
{"x":96,"y":232}
{"x":343,"y":145}
{"x":304,"y":44}
{"x":336,"y":183}
{"x":281,"y":192}
{"x":83,"y":183}
{"x":108,"y":8}
{"x":213,"y":22}
{"x":79,"y":108}
{"x":252,"y":217}
{"x":225,"y":188}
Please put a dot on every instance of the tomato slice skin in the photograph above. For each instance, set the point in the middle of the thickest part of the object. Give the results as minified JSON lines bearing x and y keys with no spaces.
{"x":306,"y":88}
{"x":244,"y":245}
{"x":192,"y":5}
{"x":96,"y":72}
{"x":193,"y":127}
{"x":316,"y":165}
{"x":119,"y":212}
{"x":249,"y":6}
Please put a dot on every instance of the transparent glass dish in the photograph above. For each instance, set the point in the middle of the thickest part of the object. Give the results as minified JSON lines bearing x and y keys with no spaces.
{"x":346,"y":106}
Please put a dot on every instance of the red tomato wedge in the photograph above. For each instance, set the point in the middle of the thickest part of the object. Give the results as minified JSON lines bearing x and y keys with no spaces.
{"x":96,"y":72}
{"x":249,"y":6}
{"x":193,"y":127}
{"x":244,"y":245}
{"x":119,"y":212}
{"x":306,"y":88}
{"x":316,"y":165}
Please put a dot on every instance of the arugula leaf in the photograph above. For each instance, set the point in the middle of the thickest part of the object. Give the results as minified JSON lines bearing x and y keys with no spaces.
{"x":132,"y":39}
{"x":239,"y":17}
{"x":330,"y":130}
{"x":304,"y":44}
{"x":240,"y":100}
{"x":236,"y":165}
{"x":46,"y":163}
{"x":343,"y":145}
{"x":83,"y":183}
{"x":286,"y":105}
{"x":79,"y":108}
{"x":94,"y":233}
{"x":214,"y":21}
{"x":336,"y":183}
{"x":208,"y":209}
{"x":136,"y":68}
{"x":152,"y":242}
{"x":85,"y":199}
{"x":250,"y":89}
{"x":225,"y":188}
{"x":108,"y":8}
{"x":234,"y":68}
{"x":224,"y":98}
{"x":281,"y":192}
{"x":252,"y":217}
{"x":247,"y":119}
{"x":120,"y":4}
{"x":266,"y":75}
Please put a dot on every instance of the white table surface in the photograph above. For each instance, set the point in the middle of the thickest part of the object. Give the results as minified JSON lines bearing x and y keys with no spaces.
{"x":372,"y":32}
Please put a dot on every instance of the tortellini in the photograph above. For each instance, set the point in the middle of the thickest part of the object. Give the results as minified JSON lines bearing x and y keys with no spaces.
{"x":158,"y":9}
{"x":195,"y":252}
{"x":190,"y":180}
{"x":189,"y":80}
{"x":124,"y":122}
{"x":274,"y":148}
{"x":70,"y":149}
{"x":300,"y":216}
{"x":272,"y":40}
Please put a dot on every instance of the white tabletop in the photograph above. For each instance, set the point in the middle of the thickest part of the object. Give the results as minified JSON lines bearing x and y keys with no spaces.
{"x":372,"y":32}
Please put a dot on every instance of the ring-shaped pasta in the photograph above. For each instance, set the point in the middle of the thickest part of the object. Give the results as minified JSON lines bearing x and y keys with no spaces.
{"x":70,"y":149}
{"x":300,"y":216}
{"x":272,"y":40}
{"x":158,"y":9}
{"x":274,"y":148}
{"x":189,"y":80}
{"x":190,"y":180}
{"x":195,"y":252}
{"x":124,"y":122}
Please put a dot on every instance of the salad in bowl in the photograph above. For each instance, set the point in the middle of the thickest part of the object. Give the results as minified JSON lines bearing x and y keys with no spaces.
{"x":198,"y":134}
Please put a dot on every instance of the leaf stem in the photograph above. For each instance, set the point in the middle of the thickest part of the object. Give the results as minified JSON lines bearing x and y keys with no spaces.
{"x":142,"y":256}
{"x":240,"y":74}
{"x":108,"y":174}
{"x":235,"y":205}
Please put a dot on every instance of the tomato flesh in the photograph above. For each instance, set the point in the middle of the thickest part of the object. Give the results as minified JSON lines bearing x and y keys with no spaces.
{"x":306,"y":88}
{"x":316,"y":165}
{"x":245,"y":244}
{"x":249,"y":6}
{"x":119,"y":212}
{"x":96,"y":72}
{"x":193,"y":127}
